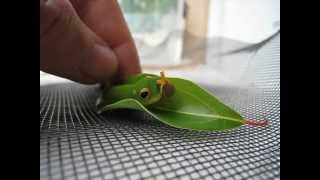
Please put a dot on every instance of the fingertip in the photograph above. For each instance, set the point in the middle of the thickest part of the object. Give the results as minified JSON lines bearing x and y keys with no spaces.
{"x":101,"y":65}
{"x":129,"y":63}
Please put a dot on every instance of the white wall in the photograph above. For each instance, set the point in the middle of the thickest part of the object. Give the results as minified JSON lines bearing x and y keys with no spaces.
{"x":245,"y":20}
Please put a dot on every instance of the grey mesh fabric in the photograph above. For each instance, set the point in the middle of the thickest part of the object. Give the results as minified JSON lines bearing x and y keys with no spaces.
{"x":78,"y":143}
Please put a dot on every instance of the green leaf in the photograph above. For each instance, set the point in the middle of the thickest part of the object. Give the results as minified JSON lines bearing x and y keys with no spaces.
{"x":191,"y":107}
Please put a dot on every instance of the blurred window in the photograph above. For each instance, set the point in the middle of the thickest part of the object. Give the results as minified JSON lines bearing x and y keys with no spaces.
{"x":157,"y":28}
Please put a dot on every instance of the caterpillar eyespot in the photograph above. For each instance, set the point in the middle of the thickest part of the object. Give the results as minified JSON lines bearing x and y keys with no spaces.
{"x":145,"y":93}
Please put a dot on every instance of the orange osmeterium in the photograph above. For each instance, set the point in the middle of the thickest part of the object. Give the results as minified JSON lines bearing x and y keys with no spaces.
{"x":162,"y":81}
{"x":166,"y":89}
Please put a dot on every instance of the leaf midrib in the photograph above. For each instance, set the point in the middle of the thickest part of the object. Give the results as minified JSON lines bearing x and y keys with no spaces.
{"x":201,"y":115}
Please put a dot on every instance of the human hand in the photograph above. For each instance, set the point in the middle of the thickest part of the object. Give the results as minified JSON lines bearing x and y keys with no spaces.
{"x":86,"y":41}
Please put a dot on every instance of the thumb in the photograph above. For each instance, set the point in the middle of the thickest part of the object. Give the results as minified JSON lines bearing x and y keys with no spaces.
{"x":68,"y":48}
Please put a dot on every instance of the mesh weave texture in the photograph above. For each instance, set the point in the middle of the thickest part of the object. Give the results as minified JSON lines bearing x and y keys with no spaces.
{"x":78,"y":143}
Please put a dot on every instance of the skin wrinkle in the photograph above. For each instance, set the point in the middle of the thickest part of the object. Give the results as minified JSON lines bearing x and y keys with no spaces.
{"x":63,"y":17}
{"x":88,"y":10}
{"x":121,"y":44}
{"x":96,"y":47}
{"x":45,"y":26}
{"x":50,"y":27}
{"x":123,"y":56}
{"x":79,"y":6}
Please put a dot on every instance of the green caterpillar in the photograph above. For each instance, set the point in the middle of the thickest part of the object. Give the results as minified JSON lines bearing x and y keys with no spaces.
{"x":173,"y":101}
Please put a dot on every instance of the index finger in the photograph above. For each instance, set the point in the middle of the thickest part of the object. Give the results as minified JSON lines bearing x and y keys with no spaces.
{"x":105,"y":18}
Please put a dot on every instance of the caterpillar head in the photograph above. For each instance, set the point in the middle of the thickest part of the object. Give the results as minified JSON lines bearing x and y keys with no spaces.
{"x":151,"y":89}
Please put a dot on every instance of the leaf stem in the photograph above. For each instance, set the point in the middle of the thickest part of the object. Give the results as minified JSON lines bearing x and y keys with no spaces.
{"x":256,"y":123}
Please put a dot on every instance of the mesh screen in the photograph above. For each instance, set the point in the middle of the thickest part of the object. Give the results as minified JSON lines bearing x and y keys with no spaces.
{"x":78,"y":143}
